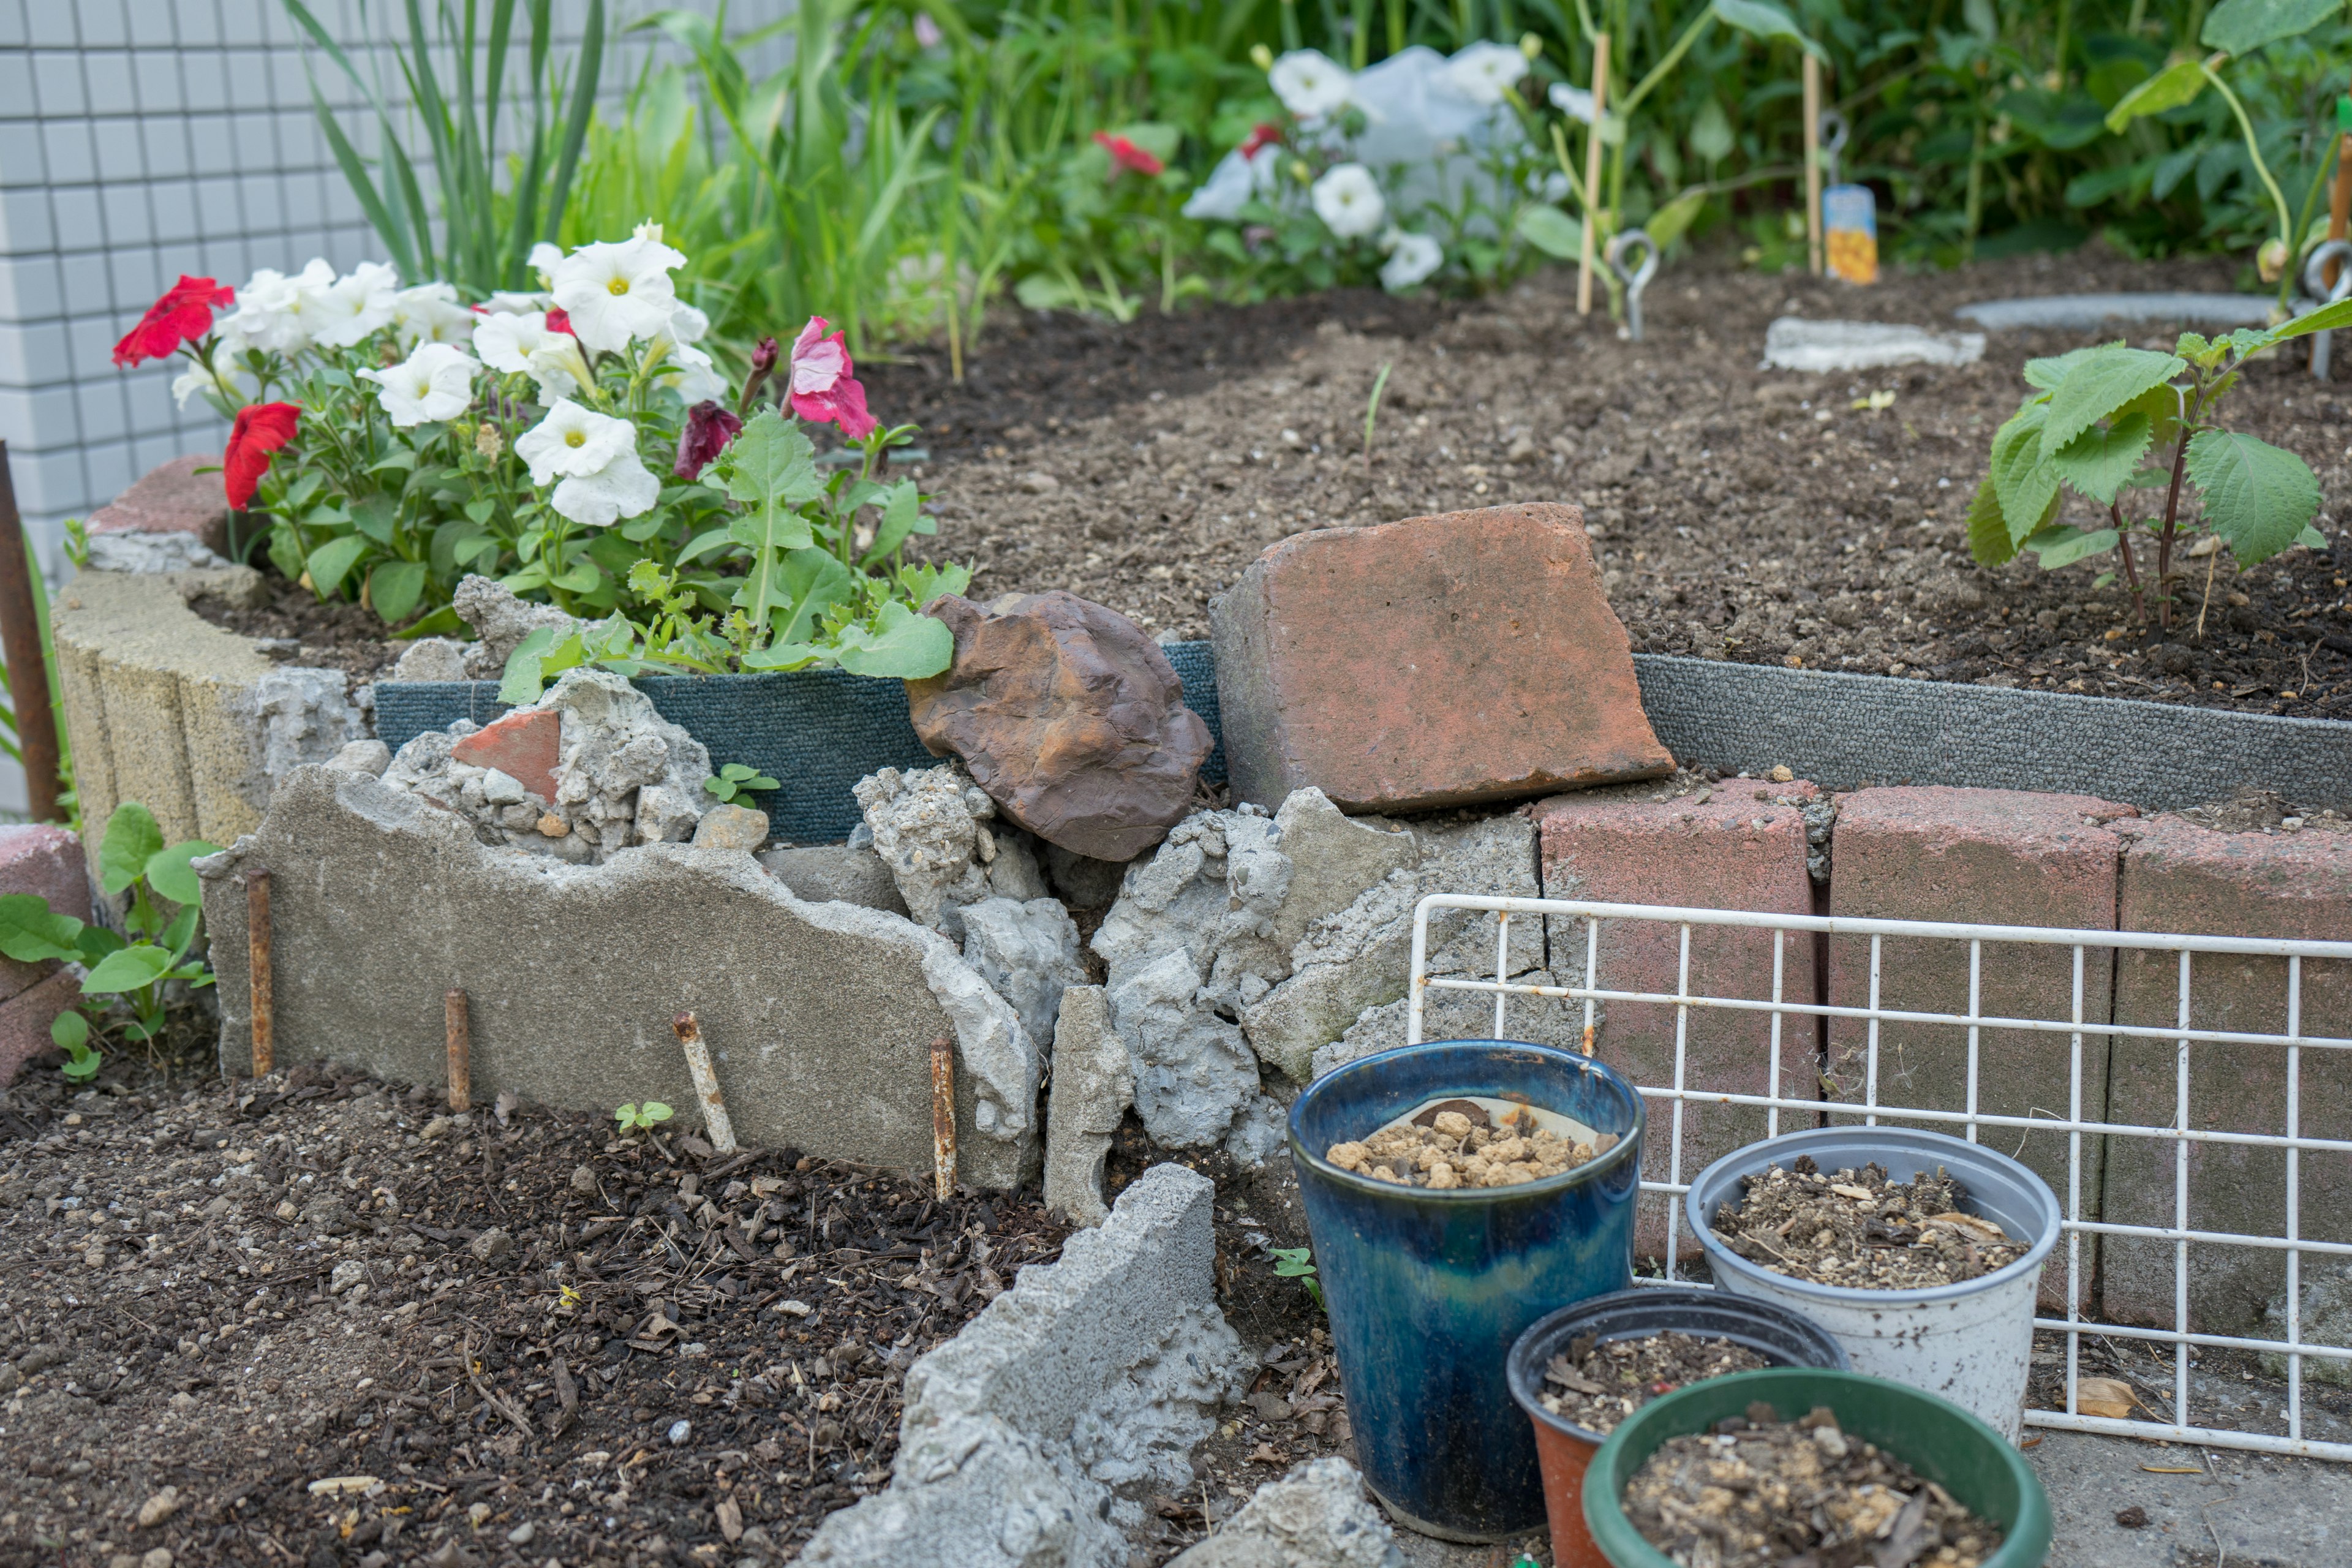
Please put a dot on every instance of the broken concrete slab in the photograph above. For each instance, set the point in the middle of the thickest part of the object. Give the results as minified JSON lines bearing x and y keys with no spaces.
{"x":1317,"y":1516}
{"x":500,"y":621}
{"x":819,"y":1015}
{"x":1094,"y":1085}
{"x":931,"y":827}
{"x":1792,"y":342}
{"x":1459,"y":1015}
{"x":1029,"y":952}
{"x":825,"y":873}
{"x":150,"y":552}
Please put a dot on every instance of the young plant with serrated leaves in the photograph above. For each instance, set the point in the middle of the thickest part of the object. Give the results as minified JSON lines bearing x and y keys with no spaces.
{"x":2134,"y":431}
{"x":161,"y":924}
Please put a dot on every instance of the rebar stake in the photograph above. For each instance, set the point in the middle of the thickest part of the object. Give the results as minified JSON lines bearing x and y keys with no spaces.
{"x":943,"y":1149}
{"x":461,"y":1049}
{"x":28,"y":671}
{"x":257,"y":970}
{"x":688,"y":1029}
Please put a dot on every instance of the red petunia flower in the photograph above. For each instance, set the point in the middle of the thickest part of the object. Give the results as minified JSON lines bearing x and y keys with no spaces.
{"x":1263,"y":135}
{"x":1126,"y":154}
{"x":708,"y":428}
{"x":822,"y":384}
{"x":260,"y":429}
{"x":560,"y":322}
{"x":183,"y":314}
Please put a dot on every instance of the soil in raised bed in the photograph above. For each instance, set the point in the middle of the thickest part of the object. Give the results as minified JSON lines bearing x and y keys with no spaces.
{"x":1597,"y":1384}
{"x":1859,"y":1230}
{"x":1768,"y":1493}
{"x":296,"y":627}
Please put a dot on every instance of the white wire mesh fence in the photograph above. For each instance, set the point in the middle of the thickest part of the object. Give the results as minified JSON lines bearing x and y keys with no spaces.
{"x":2197,"y":1167}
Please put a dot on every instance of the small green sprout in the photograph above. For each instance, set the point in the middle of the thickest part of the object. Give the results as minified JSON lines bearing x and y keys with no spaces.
{"x":642,"y":1118}
{"x":1298,"y":1263}
{"x":734,"y":779}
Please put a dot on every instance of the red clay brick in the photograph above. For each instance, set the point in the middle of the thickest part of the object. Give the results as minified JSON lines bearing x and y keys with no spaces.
{"x":25,"y":1021}
{"x":1431,"y":662}
{"x":2178,"y":877}
{"x":523,"y":745}
{"x":1742,"y":849}
{"x":171,"y":498}
{"x":42,"y":858}
{"x":1981,"y":856}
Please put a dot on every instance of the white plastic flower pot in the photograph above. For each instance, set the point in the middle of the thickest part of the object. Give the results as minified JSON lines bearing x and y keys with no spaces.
{"x":1971,"y":1342}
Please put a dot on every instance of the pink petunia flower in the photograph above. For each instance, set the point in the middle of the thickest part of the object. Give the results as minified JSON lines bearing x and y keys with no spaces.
{"x":708,"y":428}
{"x":1126,"y":154}
{"x":822,"y":385}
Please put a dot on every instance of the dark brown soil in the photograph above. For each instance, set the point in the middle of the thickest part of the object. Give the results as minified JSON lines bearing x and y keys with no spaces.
{"x":297,"y":628}
{"x":1598,"y":1385}
{"x":1768,"y":1493}
{"x":1859,"y":1230}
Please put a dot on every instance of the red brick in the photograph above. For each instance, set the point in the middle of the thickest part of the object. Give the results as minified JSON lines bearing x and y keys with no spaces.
{"x":25,"y":1021}
{"x":2178,"y":877}
{"x":1980,"y":856}
{"x":523,"y":745}
{"x":1742,"y":849}
{"x":1432,"y":662}
{"x":172,"y":498}
{"x":40,"y":858}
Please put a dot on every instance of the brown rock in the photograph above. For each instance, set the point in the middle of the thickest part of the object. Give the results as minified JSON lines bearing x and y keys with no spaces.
{"x":172,"y":498}
{"x":1435,"y":661}
{"x":1069,"y":717}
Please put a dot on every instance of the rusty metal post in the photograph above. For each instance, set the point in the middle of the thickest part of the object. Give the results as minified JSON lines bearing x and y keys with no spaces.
{"x":461,"y":1049}
{"x":943,"y":1150}
{"x":259,"y":986}
{"x":688,"y":1029}
{"x":28,"y":669}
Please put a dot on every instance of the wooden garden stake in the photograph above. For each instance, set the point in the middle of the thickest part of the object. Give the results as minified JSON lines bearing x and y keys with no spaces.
{"x":257,"y":970}
{"x":1813,"y":164}
{"x":688,"y":1029}
{"x":943,"y":1152}
{"x":2340,"y":226}
{"x":461,"y":1051}
{"x":28,"y":669}
{"x":1592,"y":174}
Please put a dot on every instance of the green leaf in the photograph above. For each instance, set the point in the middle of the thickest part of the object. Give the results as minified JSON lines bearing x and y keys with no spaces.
{"x":95,"y":941}
{"x":901,"y":514}
{"x":1711,"y":135}
{"x":2241,"y":26}
{"x":2099,"y":462}
{"x":331,"y":561}
{"x":521,"y":681}
{"x":1762,"y":21}
{"x":127,"y":970}
{"x":30,"y":931}
{"x":702,"y":544}
{"x":376,"y":516}
{"x":2059,"y":547}
{"x":131,"y":839}
{"x":180,"y":933}
{"x":806,"y":584}
{"x":1989,"y":535}
{"x":581,"y":576}
{"x":2100,"y":383}
{"x":441,"y":623}
{"x":2328,"y":318}
{"x":2257,"y":498}
{"x":395,"y":587}
{"x":1667,"y":225}
{"x":2027,"y":486}
{"x":169,"y":873}
{"x":1551,"y":231}
{"x":2046,"y":373}
{"x":771,"y":468}
{"x":2169,"y":89}
{"x":903,"y":645}
{"x":70,"y":1030}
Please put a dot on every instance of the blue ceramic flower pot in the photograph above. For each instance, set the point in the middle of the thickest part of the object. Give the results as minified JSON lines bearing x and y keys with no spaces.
{"x":1427,"y":1289}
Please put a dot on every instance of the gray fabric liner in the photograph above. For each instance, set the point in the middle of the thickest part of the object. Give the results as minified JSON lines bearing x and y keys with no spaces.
{"x":819,"y":731}
{"x":2090,"y":311}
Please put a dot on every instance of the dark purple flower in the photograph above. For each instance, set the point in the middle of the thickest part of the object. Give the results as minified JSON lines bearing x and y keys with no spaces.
{"x":764,"y":365}
{"x":708,"y":428}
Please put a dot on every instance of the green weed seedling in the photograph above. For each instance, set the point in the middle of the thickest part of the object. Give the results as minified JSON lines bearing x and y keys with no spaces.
{"x":1298,"y":1263}
{"x":735,"y":779}
{"x":642,"y":1118}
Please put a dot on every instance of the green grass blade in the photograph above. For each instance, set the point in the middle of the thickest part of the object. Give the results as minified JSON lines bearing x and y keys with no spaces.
{"x":389,"y":227}
{"x":591,"y":67}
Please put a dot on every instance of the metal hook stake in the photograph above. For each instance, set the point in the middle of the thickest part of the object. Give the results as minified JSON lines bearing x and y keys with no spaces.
{"x":1636,"y":279}
{"x":1832,"y":135}
{"x":2315,"y":282}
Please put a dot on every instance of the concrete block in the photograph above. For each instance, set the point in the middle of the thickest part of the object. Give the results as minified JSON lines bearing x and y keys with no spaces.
{"x":821,"y":1016}
{"x":823,"y":873}
{"x":1094,"y":1084}
{"x":1435,"y":661}
{"x":43,"y":859}
{"x":1317,"y":1516}
{"x":1742,"y":846}
{"x":1985,"y":857}
{"x":172,"y":499}
{"x":25,"y":1020}
{"x":2178,"y":877}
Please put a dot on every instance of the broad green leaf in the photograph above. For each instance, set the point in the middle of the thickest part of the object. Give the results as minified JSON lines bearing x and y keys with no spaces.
{"x":1711,"y":133}
{"x":30,"y":931}
{"x":1667,"y":225}
{"x":2241,"y":26}
{"x":2174,"y":85}
{"x":70,"y":1030}
{"x":2258,"y":498}
{"x":127,"y":970}
{"x":2099,"y":384}
{"x":131,"y":840}
{"x":377,"y":516}
{"x":903,"y":645}
{"x":788,"y":655}
{"x":95,"y":941}
{"x":924,"y":582}
{"x":1989,"y":539}
{"x":521,"y":679}
{"x":1762,"y":21}
{"x":901,"y":517}
{"x":2312,"y":539}
{"x":771,"y":468}
{"x":331,"y":561}
{"x":1551,"y":231}
{"x":441,"y":623}
{"x":2046,"y":373}
{"x":2059,"y":547}
{"x":395,"y":587}
{"x":581,"y":576}
{"x":808,"y":582}
{"x":2027,"y":486}
{"x":180,"y":933}
{"x":702,"y":544}
{"x":2328,"y":318}
{"x":169,"y":873}
{"x":2099,"y":462}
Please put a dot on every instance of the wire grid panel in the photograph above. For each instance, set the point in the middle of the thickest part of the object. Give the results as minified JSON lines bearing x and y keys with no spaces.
{"x":2089,"y":1030}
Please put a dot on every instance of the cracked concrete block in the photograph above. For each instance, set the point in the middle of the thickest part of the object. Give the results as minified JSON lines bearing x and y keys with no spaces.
{"x":1458,"y":1015}
{"x":1029,"y":952}
{"x":501,"y":621}
{"x":171,"y":498}
{"x":1317,"y":1516}
{"x":171,"y":552}
{"x":1347,"y":962}
{"x":1193,"y":1071}
{"x":819,"y":1015}
{"x":1333,"y":859}
{"x":824,"y":873}
{"x":932,"y":829}
{"x":1094,"y":1084}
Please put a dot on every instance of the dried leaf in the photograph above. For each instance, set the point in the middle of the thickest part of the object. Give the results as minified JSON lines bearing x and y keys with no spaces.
{"x":2109,"y":1397}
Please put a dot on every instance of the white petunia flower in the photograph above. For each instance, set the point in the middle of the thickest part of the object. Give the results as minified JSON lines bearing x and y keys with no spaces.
{"x":544,"y":260}
{"x":573,"y":441}
{"x":687,"y":370}
{"x":222,"y":374}
{"x":1235,"y":182}
{"x":1310,"y":83}
{"x":515,"y":303}
{"x":648,"y":229}
{"x":617,"y":293}
{"x":435,"y":382}
{"x":275,"y":312}
{"x":1576,"y":102}
{"x":687,"y":324}
{"x":524,"y":346}
{"x":1348,"y":199}
{"x":1481,"y":72}
{"x":357,"y":306}
{"x":1412,"y":258}
{"x":429,"y":314}
{"x":622,"y":488}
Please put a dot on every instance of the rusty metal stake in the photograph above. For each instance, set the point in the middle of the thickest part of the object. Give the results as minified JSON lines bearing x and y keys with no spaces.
{"x":28,"y":669}
{"x":688,"y":1029}
{"x":461,"y":1049}
{"x":257,"y":970}
{"x":943,"y":1152}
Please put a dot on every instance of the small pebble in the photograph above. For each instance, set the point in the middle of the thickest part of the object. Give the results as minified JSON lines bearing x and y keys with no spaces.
{"x":520,"y":1534}
{"x":678,"y":1431}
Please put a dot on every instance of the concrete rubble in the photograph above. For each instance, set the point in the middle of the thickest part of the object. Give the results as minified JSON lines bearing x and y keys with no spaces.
{"x":932,"y":829}
{"x":1094,"y":1085}
{"x":1317,"y":1516}
{"x":173,"y":552}
{"x":1033,"y":1437}
{"x":822,"y":873}
{"x":2327,"y":1317}
{"x":1029,"y":952}
{"x":501,"y":621}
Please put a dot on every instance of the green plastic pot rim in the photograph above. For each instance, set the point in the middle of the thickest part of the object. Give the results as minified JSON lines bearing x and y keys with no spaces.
{"x":1626,"y":1547}
{"x":1628,"y":1142}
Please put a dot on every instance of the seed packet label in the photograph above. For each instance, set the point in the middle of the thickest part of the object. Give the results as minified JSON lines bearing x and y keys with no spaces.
{"x":1525,"y":1119}
{"x":1850,"y":229}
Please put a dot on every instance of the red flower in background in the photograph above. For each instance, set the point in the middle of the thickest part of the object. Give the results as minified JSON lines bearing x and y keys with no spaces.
{"x":183,"y":314}
{"x":822,"y":384}
{"x":260,"y":429}
{"x":708,"y":428}
{"x":560,"y":322}
{"x":1261,"y":136}
{"x":1126,"y":154}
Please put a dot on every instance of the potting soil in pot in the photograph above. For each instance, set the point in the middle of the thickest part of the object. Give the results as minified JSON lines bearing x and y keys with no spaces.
{"x":1766,"y":1494}
{"x":1472,"y":1143}
{"x":1861,"y":1230}
{"x":1597,"y":1384}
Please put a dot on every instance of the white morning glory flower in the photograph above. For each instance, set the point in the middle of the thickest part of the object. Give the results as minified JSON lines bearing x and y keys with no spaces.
{"x":1348,"y":199}
{"x":357,"y":306}
{"x":435,"y":382}
{"x":1310,"y":83}
{"x":617,"y":293}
